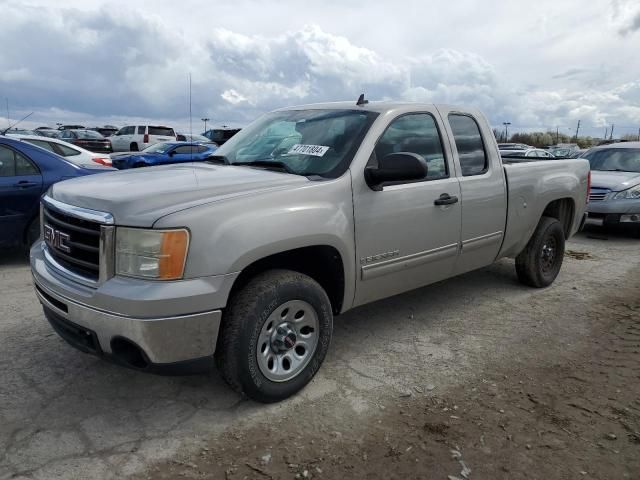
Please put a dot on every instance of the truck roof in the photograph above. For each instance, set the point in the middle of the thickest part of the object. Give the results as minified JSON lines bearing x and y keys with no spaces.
{"x":379,"y":106}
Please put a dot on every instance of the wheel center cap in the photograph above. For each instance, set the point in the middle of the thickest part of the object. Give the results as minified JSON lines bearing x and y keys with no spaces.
{"x":284,"y":338}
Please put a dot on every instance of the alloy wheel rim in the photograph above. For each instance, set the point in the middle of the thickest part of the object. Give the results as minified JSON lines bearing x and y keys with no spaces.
{"x":288,"y":340}
{"x":549,"y":254}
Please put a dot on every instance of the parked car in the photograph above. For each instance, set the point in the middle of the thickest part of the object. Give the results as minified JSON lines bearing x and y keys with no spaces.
{"x":513,"y":146}
{"x":71,"y":127}
{"x":106,"y":131}
{"x":20,"y":131}
{"x":615,"y":190}
{"x":248,"y":260}
{"x":529,"y":152}
{"x":87,"y":139}
{"x":48,"y":132}
{"x":26,"y":172}
{"x":71,"y":152}
{"x":165,"y":153}
{"x":220,"y":135}
{"x":135,"y":138}
{"x":187,"y":137}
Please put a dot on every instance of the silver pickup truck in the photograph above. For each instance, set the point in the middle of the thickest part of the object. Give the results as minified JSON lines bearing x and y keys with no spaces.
{"x":306,"y":213}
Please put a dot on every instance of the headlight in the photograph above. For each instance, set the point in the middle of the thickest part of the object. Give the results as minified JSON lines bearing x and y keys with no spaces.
{"x":633,"y":193}
{"x":157,"y":254}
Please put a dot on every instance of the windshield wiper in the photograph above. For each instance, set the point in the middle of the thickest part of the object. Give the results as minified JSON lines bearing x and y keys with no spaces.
{"x":219,"y":159}
{"x":273,"y":164}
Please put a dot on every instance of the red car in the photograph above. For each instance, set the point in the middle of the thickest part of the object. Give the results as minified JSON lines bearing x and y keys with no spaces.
{"x":87,"y":139}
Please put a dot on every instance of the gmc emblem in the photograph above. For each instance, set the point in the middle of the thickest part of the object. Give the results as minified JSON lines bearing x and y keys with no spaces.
{"x":56,"y":238}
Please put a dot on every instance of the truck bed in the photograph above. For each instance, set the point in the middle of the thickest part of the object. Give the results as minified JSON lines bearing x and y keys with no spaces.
{"x":531,"y":186}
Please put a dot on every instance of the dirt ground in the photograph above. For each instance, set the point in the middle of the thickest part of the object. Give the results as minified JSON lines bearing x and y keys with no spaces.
{"x":554,"y":407}
{"x":478,"y":377}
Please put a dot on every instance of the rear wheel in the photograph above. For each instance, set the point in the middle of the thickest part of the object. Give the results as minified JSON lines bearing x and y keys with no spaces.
{"x":133,"y":147}
{"x":539,"y":263}
{"x":275,"y":334}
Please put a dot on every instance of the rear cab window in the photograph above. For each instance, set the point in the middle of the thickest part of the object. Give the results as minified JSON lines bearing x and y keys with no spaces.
{"x":162,"y":131}
{"x":469,"y":143}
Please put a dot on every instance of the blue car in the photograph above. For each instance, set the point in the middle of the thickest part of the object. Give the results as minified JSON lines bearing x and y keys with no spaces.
{"x":164,"y":153}
{"x":26,"y":172}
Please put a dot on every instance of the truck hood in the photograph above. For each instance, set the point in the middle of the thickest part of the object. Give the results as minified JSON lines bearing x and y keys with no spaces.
{"x":139,"y":197}
{"x":614,"y":181}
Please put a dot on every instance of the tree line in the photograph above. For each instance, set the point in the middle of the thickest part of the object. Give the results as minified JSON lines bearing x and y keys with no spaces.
{"x":546,"y":139}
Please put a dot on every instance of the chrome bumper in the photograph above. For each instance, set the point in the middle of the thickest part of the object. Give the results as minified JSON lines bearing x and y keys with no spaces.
{"x":170,"y":322}
{"x":163,"y":340}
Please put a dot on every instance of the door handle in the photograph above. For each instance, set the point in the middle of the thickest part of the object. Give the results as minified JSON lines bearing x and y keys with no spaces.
{"x":446,"y":199}
{"x":25,"y":184}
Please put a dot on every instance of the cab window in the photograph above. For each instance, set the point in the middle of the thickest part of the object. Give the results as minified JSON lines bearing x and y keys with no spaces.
{"x":414,"y":133}
{"x":471,"y":151}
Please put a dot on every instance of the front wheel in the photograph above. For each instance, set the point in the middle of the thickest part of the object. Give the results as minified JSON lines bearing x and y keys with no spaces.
{"x":275,"y":334}
{"x":539,"y":263}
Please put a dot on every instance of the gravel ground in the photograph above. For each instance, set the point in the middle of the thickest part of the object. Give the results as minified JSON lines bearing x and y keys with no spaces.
{"x":476,"y":377}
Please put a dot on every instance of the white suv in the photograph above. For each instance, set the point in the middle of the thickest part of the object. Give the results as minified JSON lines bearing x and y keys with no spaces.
{"x":135,"y":138}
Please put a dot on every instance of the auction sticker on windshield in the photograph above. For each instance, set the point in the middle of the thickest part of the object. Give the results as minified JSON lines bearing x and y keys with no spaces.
{"x":315,"y":150}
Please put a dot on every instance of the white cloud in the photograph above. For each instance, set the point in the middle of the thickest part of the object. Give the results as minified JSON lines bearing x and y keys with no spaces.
{"x":106,"y":63}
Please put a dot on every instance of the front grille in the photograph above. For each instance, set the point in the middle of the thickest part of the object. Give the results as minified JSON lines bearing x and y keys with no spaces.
{"x":597,"y":196}
{"x":81,"y":239}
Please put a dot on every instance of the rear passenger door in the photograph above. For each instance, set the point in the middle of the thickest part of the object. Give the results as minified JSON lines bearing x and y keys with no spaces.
{"x":482,"y":187}
{"x":404,"y":238}
{"x":20,"y":188}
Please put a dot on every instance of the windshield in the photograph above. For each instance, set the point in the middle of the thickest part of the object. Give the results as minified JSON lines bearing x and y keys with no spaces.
{"x":305,"y":142}
{"x":614,"y":159}
{"x":88,"y":134}
{"x":158,"y":148}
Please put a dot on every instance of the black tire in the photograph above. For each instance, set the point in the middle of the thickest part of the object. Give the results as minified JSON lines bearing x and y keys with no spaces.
{"x":139,"y":165}
{"x":133,"y":147}
{"x":244,"y":318}
{"x":539,"y":263}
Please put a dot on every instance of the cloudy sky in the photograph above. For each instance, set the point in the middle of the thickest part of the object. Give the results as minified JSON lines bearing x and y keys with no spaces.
{"x":536,"y":64}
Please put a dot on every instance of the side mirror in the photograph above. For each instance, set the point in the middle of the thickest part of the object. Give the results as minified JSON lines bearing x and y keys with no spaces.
{"x":396,"y":167}
{"x":172,"y":153}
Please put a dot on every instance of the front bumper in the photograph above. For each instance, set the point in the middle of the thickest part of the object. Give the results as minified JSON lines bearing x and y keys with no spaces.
{"x":169,"y":323}
{"x":613,"y":212}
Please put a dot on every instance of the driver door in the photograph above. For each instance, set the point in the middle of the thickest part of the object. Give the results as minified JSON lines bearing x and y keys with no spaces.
{"x":404,"y":237}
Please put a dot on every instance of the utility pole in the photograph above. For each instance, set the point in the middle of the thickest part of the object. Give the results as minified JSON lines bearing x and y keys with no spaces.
{"x":557,"y":135}
{"x":611,"y":134}
{"x":205,"y":120}
{"x":639,"y":134}
{"x":577,"y":130}
{"x":506,"y":130}
{"x":606,"y":131}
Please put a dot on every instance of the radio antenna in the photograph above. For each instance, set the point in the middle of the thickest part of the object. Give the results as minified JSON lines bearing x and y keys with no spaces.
{"x":4,"y":132}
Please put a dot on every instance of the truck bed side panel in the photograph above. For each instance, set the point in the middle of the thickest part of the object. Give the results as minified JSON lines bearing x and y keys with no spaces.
{"x":531,"y":187}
